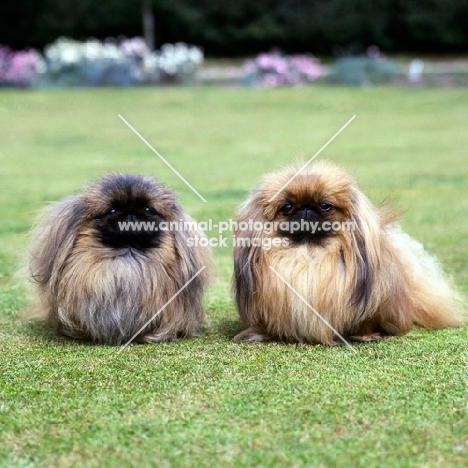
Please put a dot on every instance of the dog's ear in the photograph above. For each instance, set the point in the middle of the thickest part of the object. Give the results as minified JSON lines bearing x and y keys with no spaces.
{"x":248,"y":265}
{"x":53,"y":238}
{"x":245,"y":272}
{"x":365,"y":248}
{"x":195,"y":262}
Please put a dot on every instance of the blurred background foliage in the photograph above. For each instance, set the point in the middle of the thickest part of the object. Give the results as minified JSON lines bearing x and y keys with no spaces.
{"x":243,"y":27}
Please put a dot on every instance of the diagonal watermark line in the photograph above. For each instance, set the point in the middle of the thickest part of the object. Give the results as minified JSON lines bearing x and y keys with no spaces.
{"x":313,"y":157}
{"x":312,"y":309}
{"x":161,"y":157}
{"x":161,"y":309}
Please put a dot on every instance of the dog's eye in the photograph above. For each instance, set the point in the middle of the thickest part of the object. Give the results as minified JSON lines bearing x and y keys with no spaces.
{"x":111,"y":211}
{"x":150,"y":210}
{"x":326,"y":206}
{"x":286,"y":208}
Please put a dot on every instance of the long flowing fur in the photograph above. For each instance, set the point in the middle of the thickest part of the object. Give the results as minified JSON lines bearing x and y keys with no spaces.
{"x":366,"y":282}
{"x":91,"y":291}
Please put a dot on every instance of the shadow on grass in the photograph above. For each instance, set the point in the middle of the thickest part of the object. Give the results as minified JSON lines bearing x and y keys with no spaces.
{"x":42,"y":331}
{"x":226,"y":328}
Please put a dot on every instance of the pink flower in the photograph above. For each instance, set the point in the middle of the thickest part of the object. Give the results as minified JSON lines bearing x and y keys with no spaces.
{"x":274,"y":69}
{"x":19,"y":68}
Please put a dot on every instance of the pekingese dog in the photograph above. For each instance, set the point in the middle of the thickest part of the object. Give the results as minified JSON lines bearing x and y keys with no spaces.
{"x":108,"y":266}
{"x":316,"y":262}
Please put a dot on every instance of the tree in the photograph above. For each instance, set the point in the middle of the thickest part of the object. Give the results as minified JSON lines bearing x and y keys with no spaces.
{"x":148,"y":23}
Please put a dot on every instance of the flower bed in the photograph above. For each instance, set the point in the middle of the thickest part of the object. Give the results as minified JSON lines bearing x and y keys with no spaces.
{"x":19,"y":69}
{"x":275,"y":69}
{"x":125,"y":63}
{"x":128,"y":62}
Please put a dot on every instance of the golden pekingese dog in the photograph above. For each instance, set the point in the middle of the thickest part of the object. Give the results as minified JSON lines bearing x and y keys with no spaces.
{"x":316,"y":262}
{"x":105,"y":262}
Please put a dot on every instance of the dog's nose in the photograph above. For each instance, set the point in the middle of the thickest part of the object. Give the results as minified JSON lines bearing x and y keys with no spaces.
{"x":306,"y":212}
{"x":132,"y":217}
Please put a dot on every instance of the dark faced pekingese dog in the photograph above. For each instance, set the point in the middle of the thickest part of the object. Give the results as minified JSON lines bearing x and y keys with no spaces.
{"x":102,"y":279}
{"x":328,"y":263}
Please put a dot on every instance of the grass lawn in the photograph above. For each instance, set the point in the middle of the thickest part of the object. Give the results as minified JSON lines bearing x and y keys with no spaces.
{"x":207,"y":401}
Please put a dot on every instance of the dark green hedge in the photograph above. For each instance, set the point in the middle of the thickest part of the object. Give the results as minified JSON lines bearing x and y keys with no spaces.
{"x":241,"y":27}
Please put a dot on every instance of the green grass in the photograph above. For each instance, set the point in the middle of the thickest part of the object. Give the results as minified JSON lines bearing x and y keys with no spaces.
{"x":207,"y":401}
